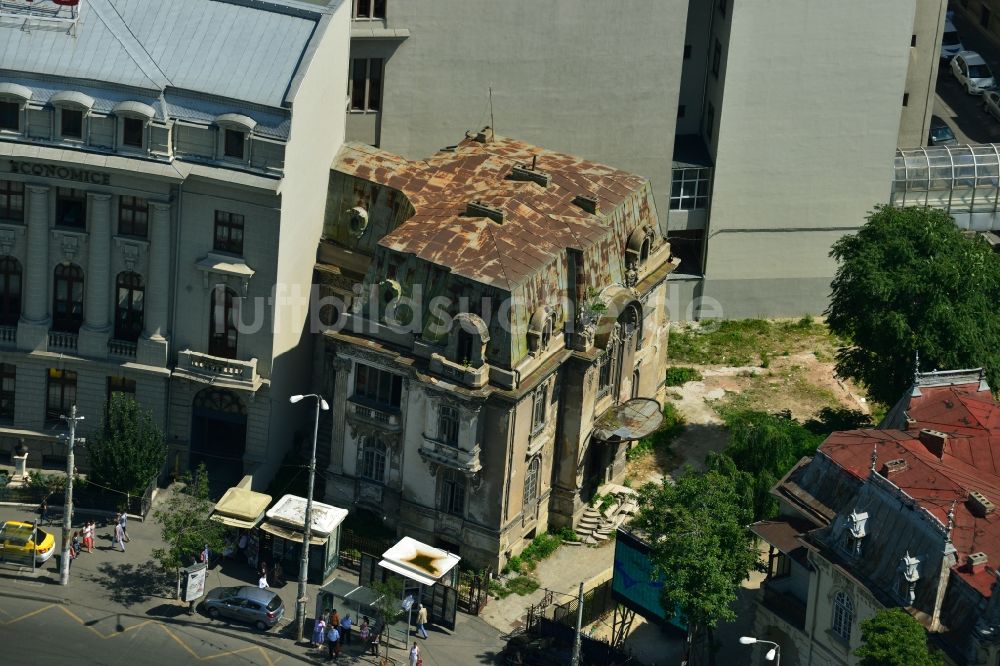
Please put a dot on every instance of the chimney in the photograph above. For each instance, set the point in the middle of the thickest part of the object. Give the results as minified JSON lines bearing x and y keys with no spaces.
{"x":485,"y":135}
{"x":479,"y":209}
{"x":586,"y":202}
{"x":524,"y":173}
{"x":894,"y":467}
{"x":934,"y":441}
{"x":979,"y":504}
{"x":977,"y":562}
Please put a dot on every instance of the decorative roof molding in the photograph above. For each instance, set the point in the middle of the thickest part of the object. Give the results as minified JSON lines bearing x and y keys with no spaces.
{"x":15,"y":90}
{"x":72,"y":98}
{"x":135,"y":108}
{"x":236,"y":120}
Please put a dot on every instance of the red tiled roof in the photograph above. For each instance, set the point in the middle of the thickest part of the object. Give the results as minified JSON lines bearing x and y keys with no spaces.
{"x":970,"y":461}
{"x":540,"y":222}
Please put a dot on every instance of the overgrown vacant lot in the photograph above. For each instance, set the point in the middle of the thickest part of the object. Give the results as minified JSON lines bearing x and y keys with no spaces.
{"x":720,"y":368}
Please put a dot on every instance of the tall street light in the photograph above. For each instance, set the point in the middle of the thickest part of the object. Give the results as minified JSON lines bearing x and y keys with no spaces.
{"x":300,"y":603}
{"x":774,"y":654}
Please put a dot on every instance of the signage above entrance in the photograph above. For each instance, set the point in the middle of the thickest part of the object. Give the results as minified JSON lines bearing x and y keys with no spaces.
{"x":58,"y":171}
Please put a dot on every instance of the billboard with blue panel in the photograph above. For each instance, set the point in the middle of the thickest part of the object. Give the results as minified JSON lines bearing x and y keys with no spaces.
{"x":633,"y":585}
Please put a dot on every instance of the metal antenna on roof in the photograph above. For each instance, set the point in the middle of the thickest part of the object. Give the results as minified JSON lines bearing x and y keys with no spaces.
{"x":492,"y":124}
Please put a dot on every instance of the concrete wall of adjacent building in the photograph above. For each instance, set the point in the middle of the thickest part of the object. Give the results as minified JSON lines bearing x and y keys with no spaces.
{"x":921,"y":75}
{"x":594,"y":79}
{"x":792,"y":177}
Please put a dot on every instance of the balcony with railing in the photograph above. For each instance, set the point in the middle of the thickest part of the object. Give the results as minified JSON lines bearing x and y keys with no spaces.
{"x":432,"y":450}
{"x":121,"y":348}
{"x":387,"y":417}
{"x":223,"y":372}
{"x":8,"y":336}
{"x":62,"y":341}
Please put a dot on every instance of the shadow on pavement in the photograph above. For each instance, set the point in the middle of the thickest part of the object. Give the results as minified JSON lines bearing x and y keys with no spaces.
{"x":130,"y":584}
{"x":175,"y":609}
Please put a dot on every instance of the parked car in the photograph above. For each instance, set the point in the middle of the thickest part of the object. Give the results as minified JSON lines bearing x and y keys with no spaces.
{"x":262,"y":608}
{"x":991,"y":103}
{"x":951,"y":43}
{"x":941,"y":134}
{"x":16,"y":542}
{"x":972,"y":72}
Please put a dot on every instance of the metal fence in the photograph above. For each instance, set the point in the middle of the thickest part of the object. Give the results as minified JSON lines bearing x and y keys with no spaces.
{"x":85,"y":497}
{"x":597,"y":602}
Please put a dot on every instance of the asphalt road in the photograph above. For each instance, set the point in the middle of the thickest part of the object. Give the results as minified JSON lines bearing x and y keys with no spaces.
{"x":34,"y":632}
{"x":964,"y":112}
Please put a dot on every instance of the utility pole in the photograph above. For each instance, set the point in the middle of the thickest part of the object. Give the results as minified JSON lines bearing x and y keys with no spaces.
{"x":68,"y":507}
{"x":300,"y":602}
{"x":579,"y":627}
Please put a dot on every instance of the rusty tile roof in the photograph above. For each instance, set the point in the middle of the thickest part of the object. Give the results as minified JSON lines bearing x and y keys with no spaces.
{"x":970,"y":461}
{"x":539,"y":224}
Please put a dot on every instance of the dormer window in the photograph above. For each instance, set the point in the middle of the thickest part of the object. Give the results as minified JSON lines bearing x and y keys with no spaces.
{"x":72,"y":109}
{"x":235,"y":130}
{"x":132,"y":132}
{"x":133,"y":118}
{"x":468,"y":337}
{"x":540,"y":331}
{"x":235,"y":144}
{"x":856,"y":530}
{"x":909,"y":570}
{"x":638,"y":247}
{"x":13,"y":99}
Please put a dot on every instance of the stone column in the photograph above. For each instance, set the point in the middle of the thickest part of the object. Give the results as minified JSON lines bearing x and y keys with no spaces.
{"x":36,"y":297}
{"x":36,"y":279}
{"x":98,"y":279}
{"x":153,"y":346}
{"x":158,"y":280}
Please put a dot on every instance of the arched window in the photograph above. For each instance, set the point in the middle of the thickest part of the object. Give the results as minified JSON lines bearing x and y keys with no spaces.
{"x":10,"y":291}
{"x":453,"y":493}
{"x":67,"y":298}
{"x":129,"y":306}
{"x":531,"y":482}
{"x":373,"y":456}
{"x":843,"y":616}
{"x":222,"y":327}
{"x":635,"y":383}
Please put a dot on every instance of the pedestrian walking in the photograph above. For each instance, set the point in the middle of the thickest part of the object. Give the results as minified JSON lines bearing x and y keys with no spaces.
{"x":414,"y":655}
{"x":319,"y":632}
{"x":262,"y":583}
{"x":421,"y":621}
{"x":205,"y":555}
{"x":335,"y":619}
{"x":123,"y":521}
{"x":43,"y":512}
{"x":332,"y":642}
{"x":120,"y":536}
{"x":88,"y":536}
{"x":364,"y":630}
{"x":345,"y":629}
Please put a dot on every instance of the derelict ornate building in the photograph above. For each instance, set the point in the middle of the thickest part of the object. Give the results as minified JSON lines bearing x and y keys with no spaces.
{"x":495,"y":311}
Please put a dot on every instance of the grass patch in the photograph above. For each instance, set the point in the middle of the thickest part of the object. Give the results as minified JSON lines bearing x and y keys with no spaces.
{"x":679,"y":375}
{"x":566,"y":534}
{"x":522,"y":585}
{"x":748,"y":341}
{"x":541,"y":546}
{"x":659,"y":442}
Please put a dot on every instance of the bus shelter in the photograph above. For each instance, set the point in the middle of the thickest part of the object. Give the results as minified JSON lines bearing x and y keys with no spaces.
{"x":285,"y":524}
{"x":241,"y":511}
{"x":422,"y":567}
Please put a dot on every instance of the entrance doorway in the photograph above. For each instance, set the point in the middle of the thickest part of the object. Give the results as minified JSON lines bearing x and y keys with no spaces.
{"x":218,"y":438}
{"x":595,"y":469}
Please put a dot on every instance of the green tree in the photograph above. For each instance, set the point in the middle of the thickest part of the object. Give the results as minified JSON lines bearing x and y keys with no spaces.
{"x":697,"y":530}
{"x":185,"y":526}
{"x":129,"y":450}
{"x":388,"y":606}
{"x":894,"y":638}
{"x":910,"y":281}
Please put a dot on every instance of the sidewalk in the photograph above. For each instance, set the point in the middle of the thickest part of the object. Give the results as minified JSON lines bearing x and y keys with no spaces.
{"x":130,"y":583}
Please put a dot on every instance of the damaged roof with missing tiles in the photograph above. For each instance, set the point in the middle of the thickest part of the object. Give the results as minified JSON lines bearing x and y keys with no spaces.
{"x":536,"y":191}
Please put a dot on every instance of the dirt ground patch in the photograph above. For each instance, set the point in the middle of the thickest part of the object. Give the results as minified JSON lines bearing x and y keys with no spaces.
{"x":799,"y":377}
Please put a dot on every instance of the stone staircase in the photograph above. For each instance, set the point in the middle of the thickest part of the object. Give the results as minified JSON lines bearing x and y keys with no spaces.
{"x":597,"y":526}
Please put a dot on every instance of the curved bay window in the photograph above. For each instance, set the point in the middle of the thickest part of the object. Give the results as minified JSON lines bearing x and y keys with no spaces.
{"x":222,"y":327}
{"x":67,"y":298}
{"x":128,"y":306}
{"x":10,"y":291}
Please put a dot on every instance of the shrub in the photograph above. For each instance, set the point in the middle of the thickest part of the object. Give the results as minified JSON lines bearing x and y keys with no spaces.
{"x":678,"y":376}
{"x":658,"y":441}
{"x":514,"y":565}
{"x":566,"y":534}
{"x":522,"y":585}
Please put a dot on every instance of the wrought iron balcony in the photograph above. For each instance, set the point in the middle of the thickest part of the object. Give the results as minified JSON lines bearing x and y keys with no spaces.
{"x":225,"y":372}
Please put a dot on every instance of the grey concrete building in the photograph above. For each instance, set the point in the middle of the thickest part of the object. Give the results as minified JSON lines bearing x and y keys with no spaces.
{"x":499,"y":358}
{"x":156,"y":182}
{"x":767,"y":129}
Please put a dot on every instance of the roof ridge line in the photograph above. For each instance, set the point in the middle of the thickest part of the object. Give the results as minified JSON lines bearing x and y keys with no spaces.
{"x":140,"y":56}
{"x":499,"y":254}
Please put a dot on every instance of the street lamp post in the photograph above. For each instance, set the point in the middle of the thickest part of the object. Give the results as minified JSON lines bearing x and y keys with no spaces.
{"x":300,"y":603}
{"x":774,"y":654}
{"x":68,"y":507}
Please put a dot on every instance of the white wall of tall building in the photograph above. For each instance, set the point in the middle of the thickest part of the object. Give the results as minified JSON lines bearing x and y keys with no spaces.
{"x":807,"y":118}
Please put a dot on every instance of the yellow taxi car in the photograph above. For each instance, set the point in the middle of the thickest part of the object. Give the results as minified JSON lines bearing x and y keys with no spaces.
{"x":16,"y":542}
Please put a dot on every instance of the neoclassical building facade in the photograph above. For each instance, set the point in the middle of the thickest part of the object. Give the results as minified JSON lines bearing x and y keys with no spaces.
{"x":152,"y":203}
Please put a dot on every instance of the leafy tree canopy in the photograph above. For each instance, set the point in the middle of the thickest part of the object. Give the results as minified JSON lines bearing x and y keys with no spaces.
{"x":893,"y":638}
{"x":129,"y":450}
{"x":697,"y":530}
{"x":184,"y":523}
{"x":911,"y":281}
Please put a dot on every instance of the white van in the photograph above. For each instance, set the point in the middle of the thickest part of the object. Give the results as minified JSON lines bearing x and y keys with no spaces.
{"x":951,"y":43}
